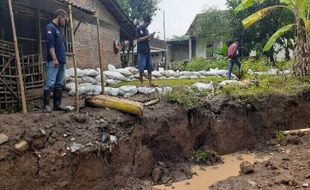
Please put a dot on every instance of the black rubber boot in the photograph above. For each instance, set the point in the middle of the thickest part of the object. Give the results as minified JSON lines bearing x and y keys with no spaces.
{"x":57,"y":97}
{"x":46,"y":102}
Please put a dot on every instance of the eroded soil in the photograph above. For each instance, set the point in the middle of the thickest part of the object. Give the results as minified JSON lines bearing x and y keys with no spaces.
{"x":153,"y":149}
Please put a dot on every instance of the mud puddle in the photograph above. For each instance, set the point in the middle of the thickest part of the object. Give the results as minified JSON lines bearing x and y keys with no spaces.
{"x":207,"y":176}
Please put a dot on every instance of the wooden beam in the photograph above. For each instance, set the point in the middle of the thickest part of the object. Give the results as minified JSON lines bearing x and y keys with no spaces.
{"x":190,"y":51}
{"x":19,"y":70}
{"x":100,"y":56}
{"x":77,"y":27}
{"x":77,"y":96}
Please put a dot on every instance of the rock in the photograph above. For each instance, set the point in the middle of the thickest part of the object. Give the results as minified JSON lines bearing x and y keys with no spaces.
{"x":113,"y":139}
{"x":3,"y":138}
{"x":165,"y":179}
{"x":273,"y":142}
{"x":251,"y":183}
{"x":74,"y":147}
{"x":306,"y":185}
{"x":105,"y":137}
{"x":187,"y":183}
{"x":294,"y":140}
{"x":246,"y":168}
{"x":22,"y":146}
{"x":157,"y":174}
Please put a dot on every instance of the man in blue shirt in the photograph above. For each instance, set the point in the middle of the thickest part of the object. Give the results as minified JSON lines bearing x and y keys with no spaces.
{"x":56,"y":60}
{"x":144,"y":51}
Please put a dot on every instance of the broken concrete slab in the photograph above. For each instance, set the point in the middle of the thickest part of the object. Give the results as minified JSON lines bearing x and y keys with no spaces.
{"x":22,"y":146}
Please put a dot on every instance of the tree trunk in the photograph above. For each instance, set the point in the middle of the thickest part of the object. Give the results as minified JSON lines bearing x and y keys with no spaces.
{"x":302,"y":53}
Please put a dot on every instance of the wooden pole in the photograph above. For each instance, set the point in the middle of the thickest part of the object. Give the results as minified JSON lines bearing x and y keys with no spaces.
{"x":77,"y":96}
{"x":40,"y":40}
{"x":190,"y":51}
{"x":19,"y":69}
{"x":100,"y":56}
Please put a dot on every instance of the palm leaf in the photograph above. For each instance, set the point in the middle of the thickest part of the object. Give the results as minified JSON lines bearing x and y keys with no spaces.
{"x":277,"y":35}
{"x":259,"y":15}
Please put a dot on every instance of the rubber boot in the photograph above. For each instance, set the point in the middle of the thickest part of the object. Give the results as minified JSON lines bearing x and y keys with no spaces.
{"x":46,"y":102}
{"x":57,"y":97}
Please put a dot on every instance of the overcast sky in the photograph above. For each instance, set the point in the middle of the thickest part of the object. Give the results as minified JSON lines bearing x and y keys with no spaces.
{"x":180,"y":14}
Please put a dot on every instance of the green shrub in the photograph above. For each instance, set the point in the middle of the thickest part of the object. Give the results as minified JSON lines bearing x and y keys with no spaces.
{"x":200,"y":64}
{"x":261,"y":64}
{"x":188,"y":99}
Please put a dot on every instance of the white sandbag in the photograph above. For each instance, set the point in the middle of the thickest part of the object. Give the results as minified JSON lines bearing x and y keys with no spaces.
{"x":125,"y":71}
{"x":88,"y":79}
{"x":186,"y":73}
{"x":91,"y":72}
{"x":72,"y":80}
{"x":145,"y":90}
{"x":156,"y":74}
{"x":171,"y":78}
{"x":86,"y":89}
{"x":111,"y":82}
{"x":203,"y":86}
{"x":273,"y":72}
{"x":115,"y":75}
{"x":184,"y":77}
{"x":194,"y":77}
{"x":133,"y":70}
{"x":111,"y":91}
{"x":229,"y":82}
{"x":287,"y":72}
{"x":111,"y":68}
{"x":98,"y":78}
{"x":97,"y":90}
{"x":129,"y":90}
{"x":215,"y":72}
{"x":70,"y":86}
{"x":69,"y":72}
{"x":165,"y":90}
{"x":162,"y":78}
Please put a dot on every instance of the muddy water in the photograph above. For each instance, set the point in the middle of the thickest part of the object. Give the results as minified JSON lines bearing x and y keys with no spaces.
{"x":206,"y":176}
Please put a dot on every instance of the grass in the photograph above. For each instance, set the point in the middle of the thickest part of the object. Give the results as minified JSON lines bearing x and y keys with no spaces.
{"x":189,"y":100}
{"x":269,"y":85}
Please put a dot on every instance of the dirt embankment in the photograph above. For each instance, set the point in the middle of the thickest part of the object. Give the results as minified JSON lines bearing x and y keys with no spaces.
{"x":288,"y":169}
{"x":146,"y":148}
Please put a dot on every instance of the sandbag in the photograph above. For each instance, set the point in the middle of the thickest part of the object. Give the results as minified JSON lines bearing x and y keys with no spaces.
{"x":203,"y":86}
{"x":115,"y":75}
{"x":111,"y":91}
{"x":145,"y":90}
{"x":165,"y":90}
{"x":128,"y":91}
{"x":125,"y":71}
{"x":112,"y":82}
{"x":91,"y":72}
{"x":88,"y":79}
{"x":111,"y":68}
{"x":156,"y":74}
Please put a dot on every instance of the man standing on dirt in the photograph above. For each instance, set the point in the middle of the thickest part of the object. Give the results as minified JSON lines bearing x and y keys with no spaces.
{"x":56,"y":60}
{"x":144,"y":50}
{"x":233,"y":55}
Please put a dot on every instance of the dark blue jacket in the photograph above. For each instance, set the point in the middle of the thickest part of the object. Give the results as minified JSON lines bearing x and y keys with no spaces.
{"x":55,"y":39}
{"x":143,"y":47}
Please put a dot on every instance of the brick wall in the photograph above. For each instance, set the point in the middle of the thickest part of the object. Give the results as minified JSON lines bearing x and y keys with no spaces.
{"x":86,"y":39}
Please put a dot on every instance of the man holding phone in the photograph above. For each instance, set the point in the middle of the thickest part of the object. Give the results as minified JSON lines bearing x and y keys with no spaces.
{"x":144,"y":51}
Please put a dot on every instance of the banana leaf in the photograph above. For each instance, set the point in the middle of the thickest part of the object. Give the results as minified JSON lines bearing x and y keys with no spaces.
{"x":276,"y":36}
{"x":246,"y":4}
{"x":256,"y":17}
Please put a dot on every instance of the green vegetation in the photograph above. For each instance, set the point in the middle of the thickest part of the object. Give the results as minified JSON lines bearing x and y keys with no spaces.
{"x":269,"y":85}
{"x":200,"y":64}
{"x":280,"y":136}
{"x":299,"y":10}
{"x":202,"y":157}
{"x":188,"y":99}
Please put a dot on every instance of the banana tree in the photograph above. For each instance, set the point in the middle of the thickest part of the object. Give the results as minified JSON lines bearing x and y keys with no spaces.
{"x":301,"y":10}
